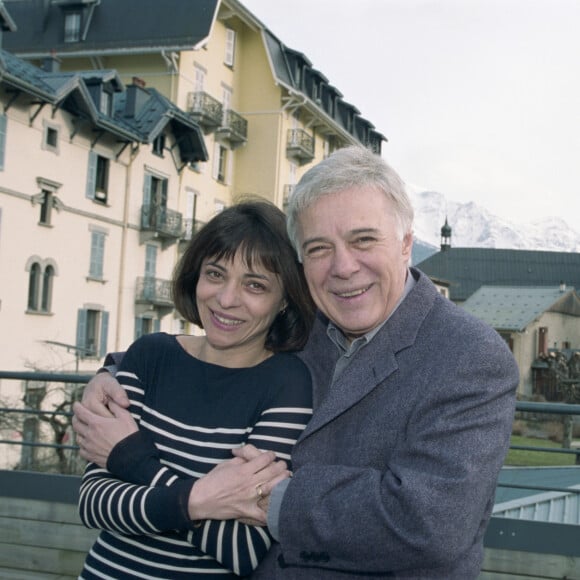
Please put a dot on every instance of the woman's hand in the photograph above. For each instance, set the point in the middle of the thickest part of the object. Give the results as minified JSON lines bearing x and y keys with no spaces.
{"x":97,"y":435}
{"x":232,"y":489}
{"x":102,"y":389}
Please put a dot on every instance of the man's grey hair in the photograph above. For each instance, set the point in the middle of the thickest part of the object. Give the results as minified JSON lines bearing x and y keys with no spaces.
{"x":353,"y":166}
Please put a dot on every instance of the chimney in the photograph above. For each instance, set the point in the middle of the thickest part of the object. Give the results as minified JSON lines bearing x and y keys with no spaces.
{"x":562,"y":286}
{"x":137,"y":96}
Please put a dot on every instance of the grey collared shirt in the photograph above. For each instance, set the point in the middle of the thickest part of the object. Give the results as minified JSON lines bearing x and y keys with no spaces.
{"x":347,"y":349}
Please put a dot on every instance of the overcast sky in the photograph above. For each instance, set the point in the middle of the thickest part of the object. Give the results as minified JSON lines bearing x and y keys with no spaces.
{"x":479,"y":99}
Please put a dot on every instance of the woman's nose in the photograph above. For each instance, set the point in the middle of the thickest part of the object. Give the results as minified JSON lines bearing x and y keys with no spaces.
{"x":229,"y":295}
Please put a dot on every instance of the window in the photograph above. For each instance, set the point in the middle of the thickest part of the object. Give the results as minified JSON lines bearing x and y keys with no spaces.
{"x":33,"y":287}
{"x":2,"y":140}
{"x":146,"y":326}
{"x":159,"y":145}
{"x":46,"y":300}
{"x":46,"y":204}
{"x":190,"y":213}
{"x":92,"y":330}
{"x":72,"y":27}
{"x":154,"y":213}
{"x":97,"y":254}
{"x":199,"y":75}
{"x":105,"y":103}
{"x":226,"y":104}
{"x":98,"y":178}
{"x":220,"y":163}
{"x":230,"y":47}
{"x":50,"y":138}
{"x":40,"y":277}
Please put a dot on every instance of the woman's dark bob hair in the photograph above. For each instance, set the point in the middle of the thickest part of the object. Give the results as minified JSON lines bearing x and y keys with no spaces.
{"x":257,"y":228}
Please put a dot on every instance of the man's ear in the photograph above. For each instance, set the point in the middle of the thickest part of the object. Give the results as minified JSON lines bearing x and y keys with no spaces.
{"x":407,"y":244}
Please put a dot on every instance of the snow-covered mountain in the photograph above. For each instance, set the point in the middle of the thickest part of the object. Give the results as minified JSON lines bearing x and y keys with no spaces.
{"x":475,"y":227}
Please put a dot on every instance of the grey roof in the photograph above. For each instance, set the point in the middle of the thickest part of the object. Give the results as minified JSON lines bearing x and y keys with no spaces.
{"x":466,"y":269}
{"x":538,"y":505}
{"x":142,"y":26}
{"x":514,"y":308}
{"x":71,"y":92}
{"x":114,"y":26}
{"x":313,"y":84}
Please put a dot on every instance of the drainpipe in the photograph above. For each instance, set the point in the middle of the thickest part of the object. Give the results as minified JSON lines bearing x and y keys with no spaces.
{"x":128,"y":167}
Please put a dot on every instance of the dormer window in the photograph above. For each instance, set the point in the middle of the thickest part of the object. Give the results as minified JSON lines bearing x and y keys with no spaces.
{"x":72,"y":26}
{"x":159,"y":145}
{"x":105,"y":104}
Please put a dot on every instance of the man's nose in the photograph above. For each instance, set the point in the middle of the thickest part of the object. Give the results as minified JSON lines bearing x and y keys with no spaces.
{"x":344,"y":262}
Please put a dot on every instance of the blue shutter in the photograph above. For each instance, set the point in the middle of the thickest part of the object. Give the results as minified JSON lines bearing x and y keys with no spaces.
{"x":2,"y":140}
{"x":97,"y":254}
{"x":92,"y":175}
{"x":82,"y":330}
{"x":156,"y":325}
{"x":138,"y":327}
{"x":104,"y":332}
{"x":146,"y":212}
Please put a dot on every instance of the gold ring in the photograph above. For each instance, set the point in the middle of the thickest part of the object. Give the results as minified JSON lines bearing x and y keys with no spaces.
{"x":259,"y":491}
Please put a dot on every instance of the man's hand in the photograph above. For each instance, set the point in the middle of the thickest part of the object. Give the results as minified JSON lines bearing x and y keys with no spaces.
{"x":102,"y":389}
{"x":232,"y":489}
{"x":97,"y":435}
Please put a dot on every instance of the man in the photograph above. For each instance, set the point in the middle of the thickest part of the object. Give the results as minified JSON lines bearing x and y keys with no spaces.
{"x":394,"y":476}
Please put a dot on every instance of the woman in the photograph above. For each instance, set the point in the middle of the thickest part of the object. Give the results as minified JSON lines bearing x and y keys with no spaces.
{"x":166,"y":502}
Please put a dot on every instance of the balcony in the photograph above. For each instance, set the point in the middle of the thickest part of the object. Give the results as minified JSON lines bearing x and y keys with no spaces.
{"x":190,"y":228}
{"x":154,"y":291}
{"x":300,"y":146}
{"x":206,"y":111}
{"x":164,"y":223}
{"x":234,"y":129}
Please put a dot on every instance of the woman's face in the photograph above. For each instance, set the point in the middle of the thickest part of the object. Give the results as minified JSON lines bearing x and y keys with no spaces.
{"x":237,"y":305}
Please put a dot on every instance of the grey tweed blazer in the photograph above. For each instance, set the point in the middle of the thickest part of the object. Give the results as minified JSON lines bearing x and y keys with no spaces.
{"x":394,"y":476}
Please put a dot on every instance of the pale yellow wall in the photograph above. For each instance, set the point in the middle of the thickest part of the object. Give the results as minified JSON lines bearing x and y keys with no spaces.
{"x":66,"y":242}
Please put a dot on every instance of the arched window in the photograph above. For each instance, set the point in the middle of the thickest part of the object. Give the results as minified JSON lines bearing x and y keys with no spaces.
{"x":33,"y":286}
{"x":47,"y":288}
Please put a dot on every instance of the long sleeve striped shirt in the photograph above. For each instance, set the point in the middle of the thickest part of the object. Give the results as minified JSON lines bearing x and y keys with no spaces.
{"x":191,"y":414}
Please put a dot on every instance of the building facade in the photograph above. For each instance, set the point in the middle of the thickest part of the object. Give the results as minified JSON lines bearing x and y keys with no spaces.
{"x":125,"y":125}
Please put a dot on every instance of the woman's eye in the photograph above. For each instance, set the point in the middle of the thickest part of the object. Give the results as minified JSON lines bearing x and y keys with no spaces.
{"x":257,"y":286}
{"x":213,"y":274}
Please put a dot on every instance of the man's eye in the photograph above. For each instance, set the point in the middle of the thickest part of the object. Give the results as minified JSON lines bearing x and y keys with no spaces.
{"x":364,"y":241}
{"x":313,"y":251}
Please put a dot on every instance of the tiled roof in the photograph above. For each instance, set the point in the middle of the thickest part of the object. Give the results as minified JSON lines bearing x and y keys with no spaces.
{"x":118,"y":25}
{"x":466,"y":269}
{"x":545,"y":506}
{"x":514,"y":308}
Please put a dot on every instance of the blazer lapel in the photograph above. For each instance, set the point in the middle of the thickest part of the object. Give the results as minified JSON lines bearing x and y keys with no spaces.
{"x":375,"y":362}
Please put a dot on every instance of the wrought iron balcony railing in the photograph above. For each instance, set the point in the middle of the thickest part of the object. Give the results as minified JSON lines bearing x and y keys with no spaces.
{"x":153,"y":291}
{"x":234,"y":128}
{"x":300,"y":146}
{"x":167,"y":223}
{"x":205,"y":110}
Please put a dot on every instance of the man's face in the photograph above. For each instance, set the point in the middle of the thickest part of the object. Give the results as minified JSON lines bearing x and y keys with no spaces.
{"x":354,"y":261}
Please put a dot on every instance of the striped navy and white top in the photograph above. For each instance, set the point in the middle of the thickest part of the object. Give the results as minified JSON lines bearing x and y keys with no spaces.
{"x":191,"y":414}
